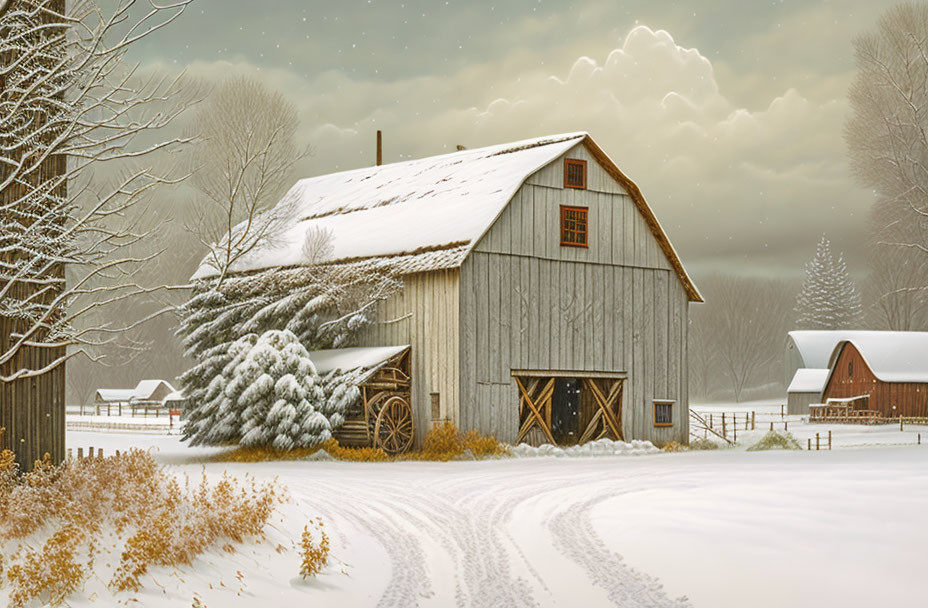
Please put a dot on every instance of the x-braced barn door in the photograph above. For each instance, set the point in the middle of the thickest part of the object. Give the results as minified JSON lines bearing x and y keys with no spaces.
{"x":607,"y":418}
{"x":535,"y":409}
{"x":604,"y":395}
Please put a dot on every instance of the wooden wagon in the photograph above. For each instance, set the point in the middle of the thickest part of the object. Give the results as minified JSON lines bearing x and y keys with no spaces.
{"x":382,"y":417}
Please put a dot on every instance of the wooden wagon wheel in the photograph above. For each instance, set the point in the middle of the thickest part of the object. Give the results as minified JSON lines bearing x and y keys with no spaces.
{"x":394,"y":429}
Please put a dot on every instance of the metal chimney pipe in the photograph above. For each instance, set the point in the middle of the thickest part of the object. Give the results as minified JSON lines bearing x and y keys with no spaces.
{"x":379,"y":147}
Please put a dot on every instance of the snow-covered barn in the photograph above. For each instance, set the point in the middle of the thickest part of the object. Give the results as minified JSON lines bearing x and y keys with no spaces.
{"x":147,"y":392}
{"x":541,"y":301}
{"x":890,"y":368}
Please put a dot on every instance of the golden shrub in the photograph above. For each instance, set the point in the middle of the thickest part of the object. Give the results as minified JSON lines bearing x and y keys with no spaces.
{"x":674,"y":446}
{"x":50,"y":574}
{"x":156,"y":519}
{"x":483,"y":446}
{"x":314,"y":555}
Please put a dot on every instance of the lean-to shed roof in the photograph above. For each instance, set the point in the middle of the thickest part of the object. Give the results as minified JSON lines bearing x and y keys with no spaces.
{"x":808,"y":381}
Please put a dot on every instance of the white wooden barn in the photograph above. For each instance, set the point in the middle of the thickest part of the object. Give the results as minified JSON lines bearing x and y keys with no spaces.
{"x":542,"y":300}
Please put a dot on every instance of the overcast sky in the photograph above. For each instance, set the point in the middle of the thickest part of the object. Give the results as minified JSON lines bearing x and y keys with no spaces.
{"x":727,"y":113}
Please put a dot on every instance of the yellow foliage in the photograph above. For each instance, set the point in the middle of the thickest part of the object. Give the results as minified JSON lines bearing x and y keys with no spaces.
{"x":314,"y":554}
{"x":50,"y":574}
{"x":161,"y":521}
{"x":332,"y":447}
{"x":674,"y":446}
{"x":442,"y":443}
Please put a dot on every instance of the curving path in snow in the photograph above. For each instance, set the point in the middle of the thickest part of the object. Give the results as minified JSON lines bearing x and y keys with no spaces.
{"x":723,"y":529}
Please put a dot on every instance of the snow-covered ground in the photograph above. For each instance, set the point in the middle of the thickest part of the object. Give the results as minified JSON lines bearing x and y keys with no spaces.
{"x":724,"y":528}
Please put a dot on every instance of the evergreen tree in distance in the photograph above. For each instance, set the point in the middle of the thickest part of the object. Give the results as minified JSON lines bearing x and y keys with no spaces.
{"x":829,"y":298}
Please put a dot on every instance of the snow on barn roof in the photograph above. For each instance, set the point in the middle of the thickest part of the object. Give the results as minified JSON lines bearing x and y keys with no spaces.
{"x":892,"y":356}
{"x":815,"y":346}
{"x":808,"y":380}
{"x":114,"y":394}
{"x":146,"y":388}
{"x":416,"y":208}
{"x":347,"y":359}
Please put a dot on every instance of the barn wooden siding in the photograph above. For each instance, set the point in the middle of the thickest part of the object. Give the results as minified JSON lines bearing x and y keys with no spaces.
{"x":910,"y":399}
{"x":32,"y":410}
{"x":529,"y":303}
{"x":425,"y":315}
{"x":797,"y":404}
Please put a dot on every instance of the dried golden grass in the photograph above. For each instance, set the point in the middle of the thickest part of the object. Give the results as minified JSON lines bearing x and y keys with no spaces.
{"x":314,"y":554}
{"x":332,"y":447}
{"x":442,"y":443}
{"x":674,"y":446}
{"x":160,"y":521}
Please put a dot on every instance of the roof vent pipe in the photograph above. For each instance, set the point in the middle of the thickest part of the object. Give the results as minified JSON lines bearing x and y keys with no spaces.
{"x":379,"y":147}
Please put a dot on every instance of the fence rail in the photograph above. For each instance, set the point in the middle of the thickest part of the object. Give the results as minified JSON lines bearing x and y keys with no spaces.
{"x":117,"y":409}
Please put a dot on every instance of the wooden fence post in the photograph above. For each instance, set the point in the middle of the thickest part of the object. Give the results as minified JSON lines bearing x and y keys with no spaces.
{"x":900,"y":423}
{"x":829,"y":440}
{"x":723,"y":425}
{"x":782,"y":412}
{"x":810,"y":444}
{"x":771,"y":426}
{"x":817,"y":443}
{"x":786,"y":425}
{"x":80,"y":453}
{"x":753,"y":420}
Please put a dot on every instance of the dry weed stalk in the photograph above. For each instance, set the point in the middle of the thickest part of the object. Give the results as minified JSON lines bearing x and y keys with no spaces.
{"x":315,"y":554}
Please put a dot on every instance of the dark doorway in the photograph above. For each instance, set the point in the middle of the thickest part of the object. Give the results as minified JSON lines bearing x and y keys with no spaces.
{"x":565,"y":411}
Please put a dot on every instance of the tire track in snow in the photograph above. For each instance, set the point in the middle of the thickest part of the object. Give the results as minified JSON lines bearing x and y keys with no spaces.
{"x":576,"y":538}
{"x":467,"y":517}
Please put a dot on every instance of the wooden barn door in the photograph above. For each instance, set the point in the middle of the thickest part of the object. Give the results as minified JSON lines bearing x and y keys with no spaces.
{"x":535,"y":410}
{"x":600,"y":416}
{"x":607,"y":413}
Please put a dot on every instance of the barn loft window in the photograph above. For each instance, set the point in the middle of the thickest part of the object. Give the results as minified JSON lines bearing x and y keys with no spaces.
{"x":663,"y":413}
{"x":574,"y":173}
{"x":850,"y":369}
{"x":574,"y":226}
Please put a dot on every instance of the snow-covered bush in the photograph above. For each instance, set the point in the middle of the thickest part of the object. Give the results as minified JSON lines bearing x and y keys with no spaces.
{"x":269,"y":394}
{"x":776,"y":441}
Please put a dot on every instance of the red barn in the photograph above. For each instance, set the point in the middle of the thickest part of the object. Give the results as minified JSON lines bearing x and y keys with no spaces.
{"x":890,"y":367}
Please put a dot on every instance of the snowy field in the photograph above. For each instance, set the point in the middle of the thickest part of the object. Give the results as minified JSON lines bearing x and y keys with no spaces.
{"x":725,"y":528}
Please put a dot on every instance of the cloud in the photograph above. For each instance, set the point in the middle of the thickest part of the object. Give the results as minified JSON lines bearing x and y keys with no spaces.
{"x":737,"y":188}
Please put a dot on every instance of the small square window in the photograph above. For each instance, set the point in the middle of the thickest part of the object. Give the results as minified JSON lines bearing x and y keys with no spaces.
{"x":574,"y":226}
{"x":663,"y":413}
{"x":574,"y":173}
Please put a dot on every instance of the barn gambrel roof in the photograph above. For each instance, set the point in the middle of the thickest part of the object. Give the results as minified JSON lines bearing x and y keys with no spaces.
{"x":424,"y":214}
{"x":892,"y":356}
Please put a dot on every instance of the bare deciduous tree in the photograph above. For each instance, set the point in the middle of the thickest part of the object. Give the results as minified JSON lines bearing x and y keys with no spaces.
{"x":744,"y":323}
{"x":70,"y":104}
{"x":896,"y":287}
{"x":887,"y":134}
{"x":242,"y":165}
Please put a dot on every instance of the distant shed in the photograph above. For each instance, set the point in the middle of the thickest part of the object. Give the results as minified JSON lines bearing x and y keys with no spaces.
{"x":891,"y":368}
{"x":805,"y":389}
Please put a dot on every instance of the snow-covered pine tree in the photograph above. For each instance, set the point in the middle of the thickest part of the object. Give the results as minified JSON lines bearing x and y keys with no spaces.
{"x":321,"y":307}
{"x":829,"y":299}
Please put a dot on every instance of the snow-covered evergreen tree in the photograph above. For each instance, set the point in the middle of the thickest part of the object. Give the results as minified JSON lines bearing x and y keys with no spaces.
{"x":249,"y":334}
{"x":829,"y":299}
{"x":269,"y":394}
